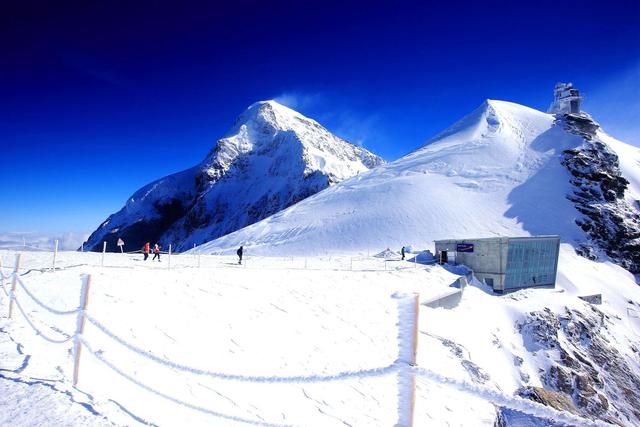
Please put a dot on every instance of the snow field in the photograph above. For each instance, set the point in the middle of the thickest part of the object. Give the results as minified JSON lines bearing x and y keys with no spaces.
{"x":274,"y":318}
{"x":250,"y":322}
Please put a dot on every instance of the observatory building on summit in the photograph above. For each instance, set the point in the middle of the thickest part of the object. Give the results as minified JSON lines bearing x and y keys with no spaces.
{"x":566,"y":100}
{"x":505,"y":263}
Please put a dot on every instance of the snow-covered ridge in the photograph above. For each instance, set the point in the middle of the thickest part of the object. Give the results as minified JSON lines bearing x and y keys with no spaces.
{"x":271,"y":158}
{"x":498,"y":171}
{"x":475,"y":178}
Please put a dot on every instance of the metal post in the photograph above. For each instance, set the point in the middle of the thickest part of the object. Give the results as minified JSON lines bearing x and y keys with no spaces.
{"x":169,"y":257}
{"x":104,"y":249}
{"x":77,"y":346}
{"x":55,"y":254}
{"x":14,"y":282}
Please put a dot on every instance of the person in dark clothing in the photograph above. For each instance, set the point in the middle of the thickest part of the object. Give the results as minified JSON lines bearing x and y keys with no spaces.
{"x":402,"y":252}
{"x":156,"y":252}
{"x":145,"y":250}
{"x":239,"y":252}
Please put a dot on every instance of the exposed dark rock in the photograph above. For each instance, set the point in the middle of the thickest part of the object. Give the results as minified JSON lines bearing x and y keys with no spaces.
{"x":590,"y":372}
{"x":559,"y":401}
{"x":611,"y":223}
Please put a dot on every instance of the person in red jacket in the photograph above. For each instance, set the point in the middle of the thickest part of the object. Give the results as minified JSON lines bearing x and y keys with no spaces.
{"x":145,"y":250}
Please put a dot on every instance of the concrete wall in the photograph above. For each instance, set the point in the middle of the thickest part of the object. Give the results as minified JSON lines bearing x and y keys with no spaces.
{"x":448,"y":300}
{"x":488,"y":259}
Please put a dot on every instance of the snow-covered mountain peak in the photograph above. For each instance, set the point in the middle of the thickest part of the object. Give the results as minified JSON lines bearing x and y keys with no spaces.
{"x":504,"y":169}
{"x":508,"y":121}
{"x":272,"y":115}
{"x":271,"y":158}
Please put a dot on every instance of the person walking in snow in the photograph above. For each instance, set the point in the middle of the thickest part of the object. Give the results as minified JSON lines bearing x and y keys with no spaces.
{"x":402,"y":252}
{"x":239,"y":252}
{"x":145,"y":251}
{"x":156,"y":252}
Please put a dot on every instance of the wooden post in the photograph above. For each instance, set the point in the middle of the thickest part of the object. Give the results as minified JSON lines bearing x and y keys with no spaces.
{"x":55,"y":254}
{"x":408,"y":310}
{"x":14,"y":282}
{"x":169,"y":257}
{"x":351,"y":264}
{"x":104,"y":249}
{"x":77,"y":346}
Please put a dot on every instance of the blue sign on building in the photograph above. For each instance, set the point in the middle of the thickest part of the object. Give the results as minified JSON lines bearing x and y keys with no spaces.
{"x":464,"y":247}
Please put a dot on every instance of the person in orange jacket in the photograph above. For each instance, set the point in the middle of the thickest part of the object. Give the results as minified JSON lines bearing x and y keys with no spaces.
{"x":145,"y":250}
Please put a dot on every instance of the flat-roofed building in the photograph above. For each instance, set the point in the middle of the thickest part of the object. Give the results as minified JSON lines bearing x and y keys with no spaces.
{"x":505,"y":263}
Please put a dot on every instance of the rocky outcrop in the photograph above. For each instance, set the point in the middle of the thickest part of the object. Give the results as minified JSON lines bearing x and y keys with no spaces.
{"x":587,"y":375}
{"x":611,"y":223}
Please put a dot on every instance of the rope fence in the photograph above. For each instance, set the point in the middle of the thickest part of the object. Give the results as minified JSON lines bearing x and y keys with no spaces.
{"x":218,"y":259}
{"x":404,"y":366}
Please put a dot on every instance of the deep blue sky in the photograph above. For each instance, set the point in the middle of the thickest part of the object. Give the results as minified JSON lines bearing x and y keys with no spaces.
{"x":99,"y":98}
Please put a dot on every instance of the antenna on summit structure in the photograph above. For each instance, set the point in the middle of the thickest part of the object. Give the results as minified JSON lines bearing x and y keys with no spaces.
{"x":567,"y":99}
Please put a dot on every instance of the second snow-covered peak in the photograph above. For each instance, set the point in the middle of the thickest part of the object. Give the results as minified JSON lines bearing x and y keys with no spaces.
{"x":495,"y":117}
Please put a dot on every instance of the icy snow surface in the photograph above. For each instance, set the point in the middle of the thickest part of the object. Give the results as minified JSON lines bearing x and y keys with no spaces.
{"x":277,"y":316}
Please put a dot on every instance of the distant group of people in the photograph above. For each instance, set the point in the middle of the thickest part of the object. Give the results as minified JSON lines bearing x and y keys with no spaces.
{"x":146,"y":250}
{"x":156,"y":251}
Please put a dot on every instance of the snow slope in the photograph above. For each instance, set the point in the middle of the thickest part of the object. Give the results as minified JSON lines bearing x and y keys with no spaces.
{"x":271,"y":158}
{"x":495,"y":172}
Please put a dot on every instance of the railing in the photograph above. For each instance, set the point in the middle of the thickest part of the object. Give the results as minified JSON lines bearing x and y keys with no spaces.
{"x":404,"y":366}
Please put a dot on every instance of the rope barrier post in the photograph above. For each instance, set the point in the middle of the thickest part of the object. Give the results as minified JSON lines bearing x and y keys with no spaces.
{"x":14,"y":282}
{"x":198,"y":260}
{"x":408,"y":311}
{"x":169,"y":266}
{"x":82,"y":247}
{"x":351,"y":264}
{"x":104,"y":249}
{"x":305,"y":263}
{"x":55,"y":254}
{"x":77,"y":346}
